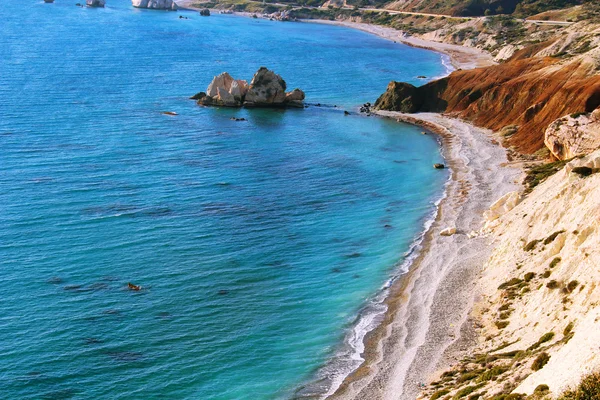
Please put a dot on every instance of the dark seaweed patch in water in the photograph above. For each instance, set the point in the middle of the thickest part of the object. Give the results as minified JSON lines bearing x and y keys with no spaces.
{"x":125,"y":356}
{"x":353,"y":255}
{"x":92,"y":340}
{"x":336,"y":270}
{"x":74,"y":288}
{"x":164,"y":315}
{"x":60,"y":394}
{"x":55,"y":280}
{"x":111,"y":312}
{"x":400,"y":161}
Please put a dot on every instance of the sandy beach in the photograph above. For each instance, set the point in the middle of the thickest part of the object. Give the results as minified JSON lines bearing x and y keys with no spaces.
{"x":427,"y":323}
{"x":461,"y":57}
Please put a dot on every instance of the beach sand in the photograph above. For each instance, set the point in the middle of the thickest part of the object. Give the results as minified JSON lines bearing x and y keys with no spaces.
{"x":427,"y":325}
{"x":461,"y":57}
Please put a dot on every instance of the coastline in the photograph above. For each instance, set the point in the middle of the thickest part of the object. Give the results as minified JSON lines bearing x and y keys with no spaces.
{"x":427,"y":324}
{"x":461,"y":57}
{"x":427,"y":321}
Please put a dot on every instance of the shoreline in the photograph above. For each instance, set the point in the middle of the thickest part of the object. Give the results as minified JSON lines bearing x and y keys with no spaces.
{"x":427,"y":322}
{"x":461,"y":57}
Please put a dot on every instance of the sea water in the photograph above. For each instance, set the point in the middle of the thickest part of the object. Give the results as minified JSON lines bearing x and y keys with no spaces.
{"x":257,"y":243}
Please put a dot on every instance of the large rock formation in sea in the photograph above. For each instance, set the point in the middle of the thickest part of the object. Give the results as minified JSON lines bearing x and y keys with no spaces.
{"x":574,"y":135}
{"x":267,"y":89}
{"x":155,"y":4}
{"x":528,"y":92}
{"x":95,"y":3}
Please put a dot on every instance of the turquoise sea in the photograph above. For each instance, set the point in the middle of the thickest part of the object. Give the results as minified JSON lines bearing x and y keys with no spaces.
{"x":262,"y":246}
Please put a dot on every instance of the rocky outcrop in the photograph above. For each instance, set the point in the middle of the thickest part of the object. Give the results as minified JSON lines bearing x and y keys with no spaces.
{"x":529,"y":93}
{"x":155,"y":4}
{"x":95,"y":3}
{"x":574,"y":135}
{"x":267,"y":89}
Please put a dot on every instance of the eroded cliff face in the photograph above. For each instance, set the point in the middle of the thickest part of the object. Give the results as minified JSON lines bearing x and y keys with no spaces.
{"x":530,"y":93}
{"x":538,"y":311}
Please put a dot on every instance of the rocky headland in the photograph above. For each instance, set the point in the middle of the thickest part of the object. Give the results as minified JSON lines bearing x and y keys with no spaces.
{"x":267,"y":89}
{"x":155,"y":4}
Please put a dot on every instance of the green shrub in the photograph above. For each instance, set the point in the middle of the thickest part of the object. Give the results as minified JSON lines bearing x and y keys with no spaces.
{"x":540,"y":361}
{"x":546,"y":273}
{"x":531,"y":245}
{"x":512,"y":282}
{"x":541,"y":389}
{"x":466,"y":391}
{"x":529,"y":276}
{"x":572,"y":285}
{"x":545,"y":338}
{"x":552,"y":284}
{"x":551,"y":238}
{"x":501,"y":324}
{"x":555,"y":262}
{"x":588,"y":389}
{"x":492,"y":373}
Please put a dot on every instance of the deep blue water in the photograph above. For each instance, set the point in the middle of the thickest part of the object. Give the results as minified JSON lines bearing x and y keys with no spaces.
{"x":256,"y":243}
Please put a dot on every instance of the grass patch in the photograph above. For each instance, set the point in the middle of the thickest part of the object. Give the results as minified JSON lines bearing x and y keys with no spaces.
{"x":439,"y":394}
{"x":466,"y":391}
{"x":545,"y":338}
{"x":492,"y":373}
{"x":539,"y":173}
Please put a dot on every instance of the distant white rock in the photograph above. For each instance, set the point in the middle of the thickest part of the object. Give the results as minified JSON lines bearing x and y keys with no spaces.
{"x":448,"y":231}
{"x":503,"y":205}
{"x":155,"y":4}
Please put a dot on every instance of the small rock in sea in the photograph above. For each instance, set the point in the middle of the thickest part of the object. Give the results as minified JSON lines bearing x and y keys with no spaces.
{"x":205,"y":12}
{"x":318,"y":105}
{"x":439,"y":166}
{"x":182,"y":17}
{"x":237,"y":119}
{"x":387,"y":226}
{"x":423,"y":133}
{"x":353,"y":255}
{"x":133,"y":287}
{"x":346,"y":113}
{"x":170,"y":113}
{"x":421,"y":77}
{"x":223,"y":292}
{"x":448,"y":232}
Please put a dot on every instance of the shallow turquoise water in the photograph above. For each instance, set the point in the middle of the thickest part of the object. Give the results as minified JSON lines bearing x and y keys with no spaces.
{"x":257,"y":243}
